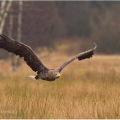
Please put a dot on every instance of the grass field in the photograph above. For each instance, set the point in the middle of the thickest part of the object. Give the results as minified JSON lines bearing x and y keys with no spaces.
{"x":86,"y":89}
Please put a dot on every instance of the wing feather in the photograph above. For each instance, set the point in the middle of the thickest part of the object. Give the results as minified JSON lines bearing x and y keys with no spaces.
{"x":22,"y":50}
{"x":80,"y":56}
{"x":87,"y":54}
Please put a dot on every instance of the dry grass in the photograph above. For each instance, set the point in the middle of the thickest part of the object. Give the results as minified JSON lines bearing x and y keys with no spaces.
{"x":86,"y":89}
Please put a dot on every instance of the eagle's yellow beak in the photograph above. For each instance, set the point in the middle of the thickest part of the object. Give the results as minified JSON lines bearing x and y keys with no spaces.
{"x":58,"y":75}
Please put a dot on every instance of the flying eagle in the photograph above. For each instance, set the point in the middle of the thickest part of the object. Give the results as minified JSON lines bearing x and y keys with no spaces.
{"x":33,"y":61}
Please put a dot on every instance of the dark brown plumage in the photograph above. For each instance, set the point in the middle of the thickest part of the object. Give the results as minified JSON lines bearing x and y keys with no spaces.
{"x":33,"y":61}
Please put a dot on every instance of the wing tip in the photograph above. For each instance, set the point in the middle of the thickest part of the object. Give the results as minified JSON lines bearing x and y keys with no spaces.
{"x":95,"y":45}
{"x":3,"y":36}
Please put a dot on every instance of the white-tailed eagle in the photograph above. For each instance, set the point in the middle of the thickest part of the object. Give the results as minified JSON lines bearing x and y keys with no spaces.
{"x":34,"y":62}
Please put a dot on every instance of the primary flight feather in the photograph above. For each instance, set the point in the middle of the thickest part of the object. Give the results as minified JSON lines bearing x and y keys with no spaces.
{"x":33,"y":61}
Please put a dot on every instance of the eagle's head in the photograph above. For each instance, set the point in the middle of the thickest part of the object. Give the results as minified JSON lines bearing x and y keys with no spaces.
{"x":53,"y":74}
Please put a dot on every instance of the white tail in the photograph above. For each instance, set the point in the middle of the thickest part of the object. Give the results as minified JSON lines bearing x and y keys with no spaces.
{"x":32,"y":76}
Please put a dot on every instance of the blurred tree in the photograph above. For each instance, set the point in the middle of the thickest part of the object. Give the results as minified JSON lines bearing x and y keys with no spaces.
{"x":101,"y":4}
{"x":7,"y":7}
{"x":19,"y":27}
{"x":41,"y":23}
{"x":44,"y":21}
{"x":14,"y":61}
{"x":76,"y":17}
{"x":107,"y":31}
{"x":4,"y":9}
{"x":11,"y":56}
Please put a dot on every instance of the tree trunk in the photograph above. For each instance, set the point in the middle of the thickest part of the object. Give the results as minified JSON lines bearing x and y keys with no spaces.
{"x":4,"y":13}
{"x":11,"y":55}
{"x":19,"y":27}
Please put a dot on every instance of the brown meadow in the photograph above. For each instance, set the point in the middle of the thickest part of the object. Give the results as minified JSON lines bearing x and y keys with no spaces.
{"x":86,"y":89}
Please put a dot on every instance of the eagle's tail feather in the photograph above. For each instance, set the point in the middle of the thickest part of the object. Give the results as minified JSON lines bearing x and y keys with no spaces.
{"x":32,"y":76}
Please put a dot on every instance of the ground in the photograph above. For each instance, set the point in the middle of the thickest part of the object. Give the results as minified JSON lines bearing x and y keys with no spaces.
{"x":86,"y":89}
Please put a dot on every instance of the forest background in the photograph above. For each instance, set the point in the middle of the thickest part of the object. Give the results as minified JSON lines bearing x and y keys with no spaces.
{"x":74,"y":24}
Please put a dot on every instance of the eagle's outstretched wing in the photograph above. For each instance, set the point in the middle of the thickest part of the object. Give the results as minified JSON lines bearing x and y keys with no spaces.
{"x":22,"y":50}
{"x":80,"y":56}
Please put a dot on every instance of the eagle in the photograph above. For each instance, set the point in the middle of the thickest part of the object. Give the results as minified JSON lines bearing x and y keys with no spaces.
{"x":43,"y":73}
